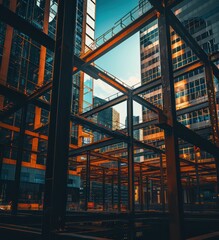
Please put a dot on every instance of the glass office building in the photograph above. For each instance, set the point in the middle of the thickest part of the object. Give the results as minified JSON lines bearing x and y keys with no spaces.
{"x":200,"y":18}
{"x":26,"y":66}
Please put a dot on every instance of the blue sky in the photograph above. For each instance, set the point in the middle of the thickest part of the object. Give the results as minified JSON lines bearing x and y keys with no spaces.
{"x":124,"y":60}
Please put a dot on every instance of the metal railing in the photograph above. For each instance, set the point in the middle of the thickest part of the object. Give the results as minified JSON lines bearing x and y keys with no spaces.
{"x":130,"y":17}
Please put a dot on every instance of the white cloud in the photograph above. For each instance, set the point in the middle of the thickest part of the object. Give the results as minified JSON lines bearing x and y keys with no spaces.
{"x":103,"y":90}
{"x":133,"y":80}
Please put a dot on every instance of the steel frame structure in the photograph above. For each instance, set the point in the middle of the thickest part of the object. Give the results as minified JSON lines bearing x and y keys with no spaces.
{"x":56,"y":170}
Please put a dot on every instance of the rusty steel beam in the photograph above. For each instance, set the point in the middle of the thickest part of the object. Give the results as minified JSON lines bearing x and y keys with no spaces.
{"x":97,"y":127}
{"x":193,"y":138}
{"x":106,"y":105}
{"x":116,"y":134}
{"x":212,"y":102}
{"x":104,"y":189}
{"x":147,"y":104}
{"x":27,"y":132}
{"x":175,"y":204}
{"x":96,"y":145}
{"x":87,"y":186}
{"x":131,"y":176}
{"x":213,"y":112}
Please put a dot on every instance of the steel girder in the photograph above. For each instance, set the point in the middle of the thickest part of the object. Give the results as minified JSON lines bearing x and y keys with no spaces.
{"x":106,"y":105}
{"x":116,"y":134}
{"x":54,"y":207}
{"x":100,"y":144}
{"x":174,"y":186}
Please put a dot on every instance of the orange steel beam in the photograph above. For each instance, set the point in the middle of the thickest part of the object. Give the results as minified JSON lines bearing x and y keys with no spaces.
{"x":31,"y":165}
{"x":113,"y":82}
{"x":29,"y":133}
{"x":128,"y":31}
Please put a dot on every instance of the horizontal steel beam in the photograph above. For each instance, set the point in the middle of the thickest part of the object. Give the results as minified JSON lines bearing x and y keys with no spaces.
{"x":116,"y":134}
{"x":97,"y":127}
{"x":27,"y":132}
{"x":144,"y":124}
{"x":118,"y":38}
{"x":32,"y":97}
{"x":20,"y":99}
{"x":25,"y":27}
{"x":36,"y":34}
{"x":192,"y":137}
{"x":100,"y":144}
{"x":147,"y":104}
{"x":12,"y":93}
{"x":104,"y":106}
{"x":106,"y":156}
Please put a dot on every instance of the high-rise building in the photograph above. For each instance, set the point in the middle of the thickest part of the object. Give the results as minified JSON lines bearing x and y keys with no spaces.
{"x":26,"y":66}
{"x":201,"y":21}
{"x":109,"y":118}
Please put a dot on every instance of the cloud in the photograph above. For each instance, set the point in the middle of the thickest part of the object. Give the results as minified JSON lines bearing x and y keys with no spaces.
{"x":104,"y":90}
{"x":132,"y":80}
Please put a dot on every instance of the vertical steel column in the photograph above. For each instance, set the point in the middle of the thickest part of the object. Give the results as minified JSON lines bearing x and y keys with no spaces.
{"x":189,"y":187}
{"x":212,"y":102}
{"x":87,"y":187}
{"x":103,"y":189}
{"x":141,"y":190}
{"x":197,"y":180}
{"x":1,"y":158}
{"x":213,"y":111}
{"x":171,"y":140}
{"x":112,"y":191}
{"x":151,"y":192}
{"x":58,"y":142}
{"x":19,"y":160}
{"x":119,"y":185}
{"x":162,"y":198}
{"x":147,"y":193}
{"x":1,"y":163}
{"x":131,"y":197}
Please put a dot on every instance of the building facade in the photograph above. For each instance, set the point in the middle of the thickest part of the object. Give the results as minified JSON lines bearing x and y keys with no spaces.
{"x":109,"y":118}
{"x":200,"y":18}
{"x":26,"y":66}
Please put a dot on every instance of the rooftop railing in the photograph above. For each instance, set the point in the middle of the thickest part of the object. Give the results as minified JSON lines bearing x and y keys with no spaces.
{"x":126,"y":20}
